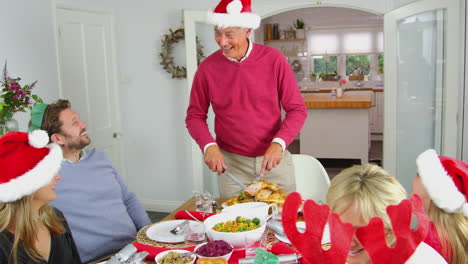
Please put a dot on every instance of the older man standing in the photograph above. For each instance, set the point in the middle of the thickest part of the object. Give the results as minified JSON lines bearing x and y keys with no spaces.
{"x":247,"y":86}
{"x":103,"y":214}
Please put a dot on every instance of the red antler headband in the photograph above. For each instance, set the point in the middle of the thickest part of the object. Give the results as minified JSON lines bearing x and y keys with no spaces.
{"x":309,"y":243}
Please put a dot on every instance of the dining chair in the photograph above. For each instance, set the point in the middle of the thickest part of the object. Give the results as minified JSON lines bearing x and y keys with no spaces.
{"x":312,"y":180}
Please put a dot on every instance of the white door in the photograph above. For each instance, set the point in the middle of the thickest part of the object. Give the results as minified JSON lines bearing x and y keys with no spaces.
{"x":87,"y":72}
{"x":195,"y":27}
{"x":422,"y":75}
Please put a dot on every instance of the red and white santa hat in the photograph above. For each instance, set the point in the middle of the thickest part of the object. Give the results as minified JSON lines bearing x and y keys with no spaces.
{"x":445,"y":180}
{"x":27,"y":163}
{"x":234,"y":13}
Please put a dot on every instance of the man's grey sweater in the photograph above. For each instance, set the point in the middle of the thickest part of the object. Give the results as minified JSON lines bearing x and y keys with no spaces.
{"x":103,"y":214}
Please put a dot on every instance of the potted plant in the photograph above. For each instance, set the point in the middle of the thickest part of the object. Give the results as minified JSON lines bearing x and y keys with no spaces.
{"x":313,"y":76}
{"x":330,"y":76}
{"x":14,"y":98}
{"x":300,"y":31}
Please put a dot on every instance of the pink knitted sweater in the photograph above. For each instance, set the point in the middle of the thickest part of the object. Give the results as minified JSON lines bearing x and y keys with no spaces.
{"x":247,"y":98}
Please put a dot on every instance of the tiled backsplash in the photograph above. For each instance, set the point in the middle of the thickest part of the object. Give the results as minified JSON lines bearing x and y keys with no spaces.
{"x":306,"y":84}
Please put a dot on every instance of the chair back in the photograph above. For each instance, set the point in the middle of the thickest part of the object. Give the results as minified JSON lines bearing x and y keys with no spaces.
{"x":312,"y":180}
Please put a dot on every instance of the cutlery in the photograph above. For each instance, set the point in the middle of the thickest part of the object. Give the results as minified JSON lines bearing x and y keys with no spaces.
{"x":227,"y":173}
{"x":180,"y":228}
{"x":187,"y":254}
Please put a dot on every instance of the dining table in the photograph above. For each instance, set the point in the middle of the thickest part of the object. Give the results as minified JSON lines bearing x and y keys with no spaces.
{"x":189,"y":206}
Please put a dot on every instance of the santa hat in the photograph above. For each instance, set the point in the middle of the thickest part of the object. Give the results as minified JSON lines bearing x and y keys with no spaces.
{"x":27,"y":163}
{"x":445,"y":180}
{"x":234,"y":13}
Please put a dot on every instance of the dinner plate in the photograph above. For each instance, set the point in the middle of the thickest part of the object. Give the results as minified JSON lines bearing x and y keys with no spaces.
{"x":160,"y":232}
{"x":325,"y":238}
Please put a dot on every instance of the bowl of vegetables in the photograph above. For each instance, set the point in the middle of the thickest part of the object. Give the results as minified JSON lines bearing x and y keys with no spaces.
{"x":214,"y":249}
{"x":237,"y":230}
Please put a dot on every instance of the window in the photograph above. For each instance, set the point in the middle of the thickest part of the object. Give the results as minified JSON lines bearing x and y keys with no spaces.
{"x":380,"y":68}
{"x":360,"y":62}
{"x":325,"y":64}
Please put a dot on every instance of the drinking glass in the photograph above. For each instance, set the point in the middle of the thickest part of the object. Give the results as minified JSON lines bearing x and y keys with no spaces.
{"x":195,"y":234}
{"x":203,"y":202}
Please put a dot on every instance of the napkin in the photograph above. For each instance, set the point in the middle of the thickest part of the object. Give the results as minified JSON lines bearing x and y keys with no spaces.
{"x":153,"y":251}
{"x":281,"y":248}
{"x":200,"y":216}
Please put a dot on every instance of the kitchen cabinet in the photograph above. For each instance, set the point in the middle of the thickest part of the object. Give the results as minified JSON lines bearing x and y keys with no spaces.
{"x":376,"y":113}
{"x":337,"y":128}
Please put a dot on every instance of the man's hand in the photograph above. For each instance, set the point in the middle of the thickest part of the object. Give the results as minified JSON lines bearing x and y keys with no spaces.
{"x":272,"y":157}
{"x":214,"y":159}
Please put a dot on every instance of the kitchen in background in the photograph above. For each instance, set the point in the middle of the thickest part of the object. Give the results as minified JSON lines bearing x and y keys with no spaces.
{"x":322,"y":43}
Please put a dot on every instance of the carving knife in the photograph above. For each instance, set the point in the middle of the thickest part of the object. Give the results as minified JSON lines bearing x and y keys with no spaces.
{"x":228,"y":174}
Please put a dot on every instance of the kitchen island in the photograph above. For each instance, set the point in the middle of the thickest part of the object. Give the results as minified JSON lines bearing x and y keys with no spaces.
{"x":337,"y":128}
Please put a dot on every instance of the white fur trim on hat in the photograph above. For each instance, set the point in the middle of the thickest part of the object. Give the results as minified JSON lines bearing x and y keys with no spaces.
{"x":439,"y":185}
{"x":38,"y":138}
{"x":31,"y":181}
{"x":243,"y":20}
{"x":234,"y":7}
{"x":425,"y":254}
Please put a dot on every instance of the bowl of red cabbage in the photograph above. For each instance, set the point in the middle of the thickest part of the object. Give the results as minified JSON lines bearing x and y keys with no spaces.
{"x":214,"y":249}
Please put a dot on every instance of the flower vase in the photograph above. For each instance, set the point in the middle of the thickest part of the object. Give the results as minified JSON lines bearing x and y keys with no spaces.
{"x":7,"y":125}
{"x":339,"y":92}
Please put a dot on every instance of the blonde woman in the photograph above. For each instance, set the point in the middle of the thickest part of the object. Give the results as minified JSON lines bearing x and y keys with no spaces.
{"x":31,"y":231}
{"x":442,"y":183}
{"x":359,"y":193}
{"x":364,"y":191}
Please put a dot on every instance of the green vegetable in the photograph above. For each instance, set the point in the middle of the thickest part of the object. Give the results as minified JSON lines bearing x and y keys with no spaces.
{"x":240,"y":219}
{"x":256,"y":221}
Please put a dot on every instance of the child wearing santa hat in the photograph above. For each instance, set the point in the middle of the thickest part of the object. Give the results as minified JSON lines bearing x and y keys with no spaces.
{"x":442,"y":183}
{"x":30,"y":230}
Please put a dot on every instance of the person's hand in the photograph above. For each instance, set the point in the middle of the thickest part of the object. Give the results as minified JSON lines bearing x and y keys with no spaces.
{"x":272,"y":157}
{"x":214,"y":159}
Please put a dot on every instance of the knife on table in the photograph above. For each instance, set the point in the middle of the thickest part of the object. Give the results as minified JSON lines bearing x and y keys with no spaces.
{"x":228,"y":174}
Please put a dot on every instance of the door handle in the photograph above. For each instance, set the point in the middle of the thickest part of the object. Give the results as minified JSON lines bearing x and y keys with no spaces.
{"x":116,"y":135}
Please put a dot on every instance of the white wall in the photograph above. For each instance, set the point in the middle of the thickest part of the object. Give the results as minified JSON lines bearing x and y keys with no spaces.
{"x":152,"y":104}
{"x":27,"y":42}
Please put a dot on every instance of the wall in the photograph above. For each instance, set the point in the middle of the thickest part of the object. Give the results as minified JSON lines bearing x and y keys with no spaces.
{"x":157,"y":145}
{"x":28,"y":44}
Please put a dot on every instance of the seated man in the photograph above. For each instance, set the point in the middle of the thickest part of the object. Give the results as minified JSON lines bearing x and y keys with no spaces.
{"x":103,"y":214}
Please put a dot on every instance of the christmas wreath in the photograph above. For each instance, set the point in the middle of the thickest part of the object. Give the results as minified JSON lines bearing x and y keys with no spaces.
{"x":167,"y":61}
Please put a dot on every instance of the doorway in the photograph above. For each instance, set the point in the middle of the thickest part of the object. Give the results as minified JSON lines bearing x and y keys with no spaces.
{"x":338,"y":41}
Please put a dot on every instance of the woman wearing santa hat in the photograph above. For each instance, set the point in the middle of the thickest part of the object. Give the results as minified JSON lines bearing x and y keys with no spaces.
{"x":31,"y":231}
{"x":442,"y":183}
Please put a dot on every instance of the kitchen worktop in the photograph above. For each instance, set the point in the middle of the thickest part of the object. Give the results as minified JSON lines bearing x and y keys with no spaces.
{"x":328,"y":90}
{"x":349,"y":100}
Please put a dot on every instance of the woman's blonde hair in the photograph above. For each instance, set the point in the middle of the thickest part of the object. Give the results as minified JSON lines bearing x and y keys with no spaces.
{"x":368,"y":187}
{"x":452,"y":230}
{"x":18,"y":217}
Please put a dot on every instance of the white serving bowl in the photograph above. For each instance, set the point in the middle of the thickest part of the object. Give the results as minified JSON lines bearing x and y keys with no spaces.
{"x":237,"y":240}
{"x":226,"y":256}
{"x":164,"y":253}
